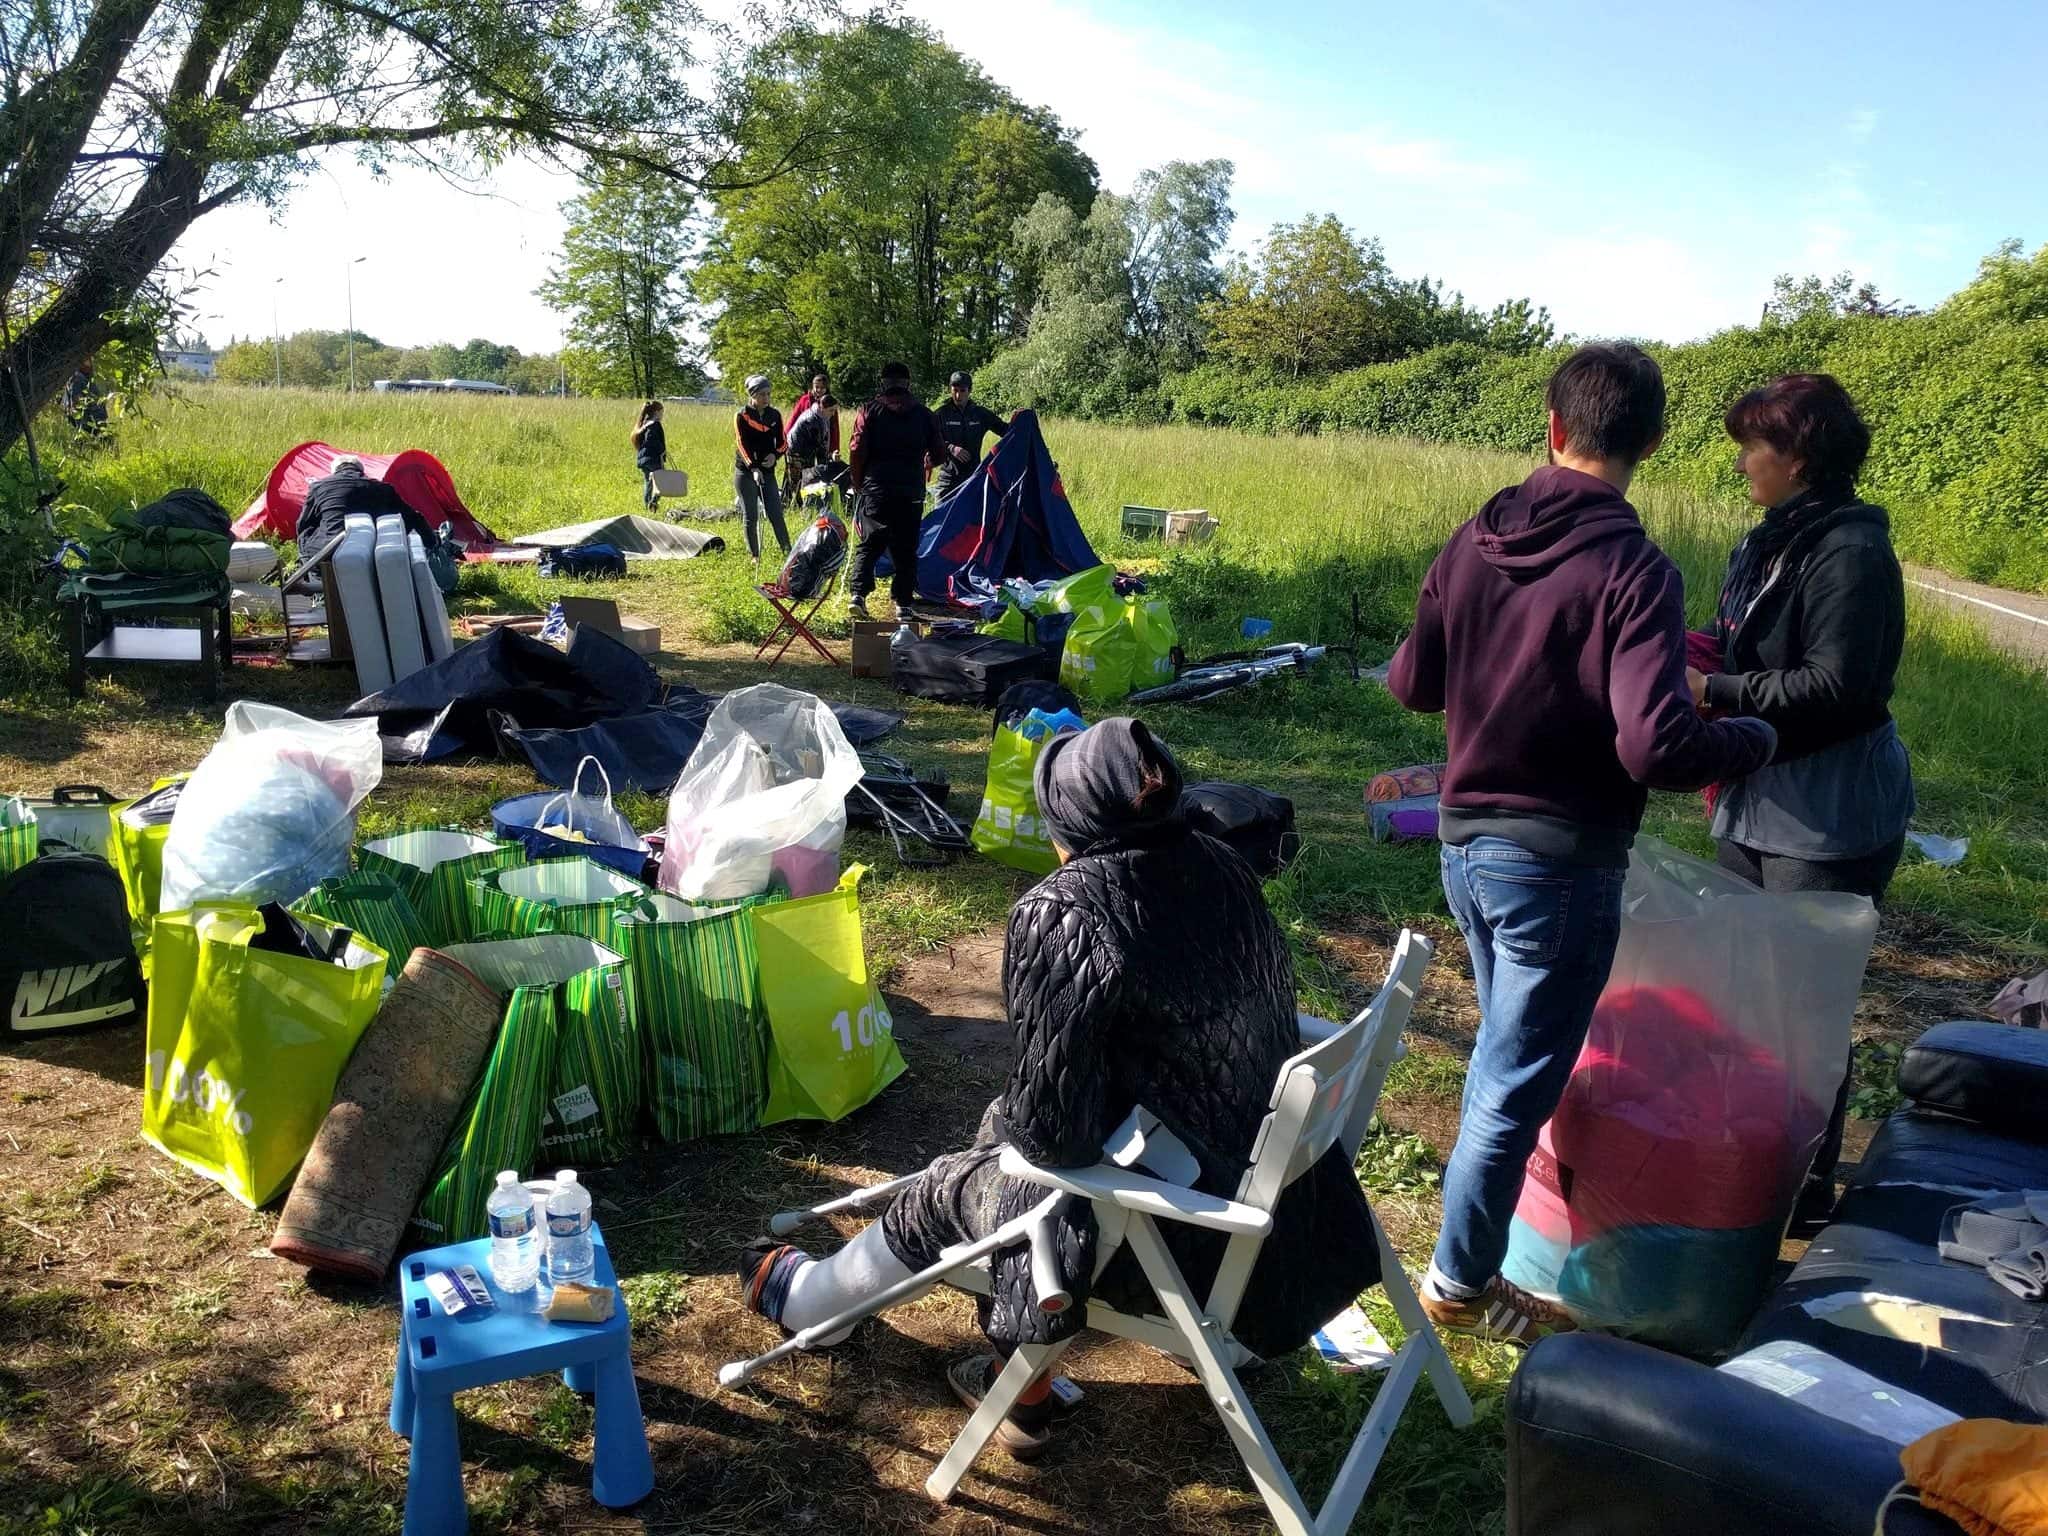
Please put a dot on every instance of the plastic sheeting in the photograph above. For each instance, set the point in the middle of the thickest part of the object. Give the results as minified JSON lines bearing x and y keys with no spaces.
{"x":1658,"y":1192}
{"x":446,"y":709}
{"x":646,"y":750}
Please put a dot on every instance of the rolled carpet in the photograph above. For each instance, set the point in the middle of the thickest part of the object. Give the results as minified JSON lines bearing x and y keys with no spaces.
{"x":396,"y":1102}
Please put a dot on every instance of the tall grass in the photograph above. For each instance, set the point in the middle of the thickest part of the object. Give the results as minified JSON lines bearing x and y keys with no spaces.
{"x":1307,"y":524}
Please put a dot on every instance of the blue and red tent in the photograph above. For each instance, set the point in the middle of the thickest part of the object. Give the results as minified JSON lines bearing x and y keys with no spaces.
{"x":1011,"y":517}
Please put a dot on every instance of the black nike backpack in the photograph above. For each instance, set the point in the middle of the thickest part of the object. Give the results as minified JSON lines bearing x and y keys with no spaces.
{"x":67,"y":955}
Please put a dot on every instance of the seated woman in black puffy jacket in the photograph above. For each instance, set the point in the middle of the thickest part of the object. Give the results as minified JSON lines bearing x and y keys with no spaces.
{"x":1146,"y":970}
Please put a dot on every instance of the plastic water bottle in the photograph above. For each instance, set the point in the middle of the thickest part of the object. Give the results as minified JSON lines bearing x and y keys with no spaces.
{"x":515,"y":1235}
{"x":569,"y":1252}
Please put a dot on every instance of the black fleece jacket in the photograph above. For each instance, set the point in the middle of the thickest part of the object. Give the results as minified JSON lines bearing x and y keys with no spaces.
{"x":1817,"y":653}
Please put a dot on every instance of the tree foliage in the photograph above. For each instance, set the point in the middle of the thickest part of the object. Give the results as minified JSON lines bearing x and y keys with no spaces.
{"x":1315,"y":299}
{"x":319,"y":360}
{"x":621,"y":282}
{"x":124,"y":121}
{"x":897,"y":239}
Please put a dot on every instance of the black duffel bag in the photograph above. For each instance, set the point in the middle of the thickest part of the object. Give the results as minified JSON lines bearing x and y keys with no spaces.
{"x":1260,"y":826}
{"x":67,"y":954}
{"x":959,"y":666}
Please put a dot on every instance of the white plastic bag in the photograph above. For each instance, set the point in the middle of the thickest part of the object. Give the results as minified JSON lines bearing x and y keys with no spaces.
{"x":576,"y":817}
{"x":270,"y":812}
{"x":765,"y":791}
{"x":1657,"y":1194}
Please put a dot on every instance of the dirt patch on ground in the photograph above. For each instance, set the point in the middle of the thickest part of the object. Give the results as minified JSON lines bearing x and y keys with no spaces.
{"x":164,"y":1374}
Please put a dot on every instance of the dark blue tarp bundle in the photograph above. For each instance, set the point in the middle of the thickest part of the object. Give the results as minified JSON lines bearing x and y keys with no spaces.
{"x":1009,"y":518}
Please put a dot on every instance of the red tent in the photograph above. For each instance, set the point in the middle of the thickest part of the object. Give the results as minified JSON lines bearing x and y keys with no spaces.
{"x":420,"y":478}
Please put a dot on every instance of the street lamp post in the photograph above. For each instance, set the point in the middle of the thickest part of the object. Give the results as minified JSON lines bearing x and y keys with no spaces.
{"x":276,"y":335}
{"x":348,"y":273}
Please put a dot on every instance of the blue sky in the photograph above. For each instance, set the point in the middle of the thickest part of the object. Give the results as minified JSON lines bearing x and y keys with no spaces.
{"x":1643,"y":170}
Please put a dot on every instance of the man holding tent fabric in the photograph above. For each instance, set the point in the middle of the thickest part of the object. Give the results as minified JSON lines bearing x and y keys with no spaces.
{"x":894,"y":436}
{"x":963,"y":422}
{"x":1550,"y":634}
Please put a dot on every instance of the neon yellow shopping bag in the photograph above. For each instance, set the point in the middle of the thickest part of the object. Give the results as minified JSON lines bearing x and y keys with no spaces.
{"x":244,"y":1044}
{"x":1008,"y":827}
{"x":833,"y":1044}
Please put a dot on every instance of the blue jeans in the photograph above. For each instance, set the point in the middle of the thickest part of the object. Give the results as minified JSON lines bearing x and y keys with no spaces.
{"x":1542,"y":934}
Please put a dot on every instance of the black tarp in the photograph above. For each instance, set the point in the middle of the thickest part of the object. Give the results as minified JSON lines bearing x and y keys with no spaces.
{"x":646,"y":750}
{"x":446,"y":709}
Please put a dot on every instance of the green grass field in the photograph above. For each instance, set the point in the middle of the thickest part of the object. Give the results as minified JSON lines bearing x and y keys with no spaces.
{"x":1306,"y":526}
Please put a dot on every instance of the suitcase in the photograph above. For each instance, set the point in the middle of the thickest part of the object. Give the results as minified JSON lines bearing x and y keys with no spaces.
{"x":959,"y":666}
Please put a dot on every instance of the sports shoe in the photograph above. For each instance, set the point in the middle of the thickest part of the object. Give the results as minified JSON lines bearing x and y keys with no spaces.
{"x":1503,"y":1313}
{"x":905,"y":614}
{"x":857,"y":608}
{"x":1026,"y":1429}
{"x":765,"y":1268}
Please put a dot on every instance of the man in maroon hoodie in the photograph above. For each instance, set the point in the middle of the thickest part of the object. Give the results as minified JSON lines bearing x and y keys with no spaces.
{"x":894,"y":440}
{"x":1551,"y":635}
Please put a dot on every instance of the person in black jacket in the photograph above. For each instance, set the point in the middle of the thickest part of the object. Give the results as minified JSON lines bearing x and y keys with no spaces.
{"x":1811,"y":623}
{"x":650,"y":451}
{"x":963,"y":423}
{"x":1145,"y":971}
{"x":894,"y":438}
{"x":344,"y":489}
{"x":757,"y":442}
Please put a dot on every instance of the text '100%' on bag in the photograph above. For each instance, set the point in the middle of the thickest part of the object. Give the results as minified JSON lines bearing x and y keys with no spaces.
{"x":245,"y":1044}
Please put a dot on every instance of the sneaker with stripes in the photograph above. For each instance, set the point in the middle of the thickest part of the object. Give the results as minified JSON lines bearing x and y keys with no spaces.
{"x":1502,"y":1313}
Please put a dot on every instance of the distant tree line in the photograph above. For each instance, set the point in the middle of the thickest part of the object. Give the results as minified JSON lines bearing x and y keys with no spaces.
{"x":319,"y":360}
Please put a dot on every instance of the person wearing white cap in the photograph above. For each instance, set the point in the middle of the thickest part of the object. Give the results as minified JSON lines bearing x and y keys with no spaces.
{"x":757,"y":430}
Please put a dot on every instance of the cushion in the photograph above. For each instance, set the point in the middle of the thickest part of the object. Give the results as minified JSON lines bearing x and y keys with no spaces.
{"x":1991,"y":1073}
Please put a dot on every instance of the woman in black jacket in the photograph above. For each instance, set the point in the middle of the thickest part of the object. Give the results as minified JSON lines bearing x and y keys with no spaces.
{"x":1147,"y":971}
{"x":1811,"y":623}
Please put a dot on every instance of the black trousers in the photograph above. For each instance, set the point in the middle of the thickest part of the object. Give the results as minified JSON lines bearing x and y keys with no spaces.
{"x":1867,"y":876}
{"x":889,"y":520}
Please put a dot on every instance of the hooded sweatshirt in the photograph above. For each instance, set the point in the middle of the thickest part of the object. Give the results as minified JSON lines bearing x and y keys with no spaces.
{"x":894,"y":436}
{"x":1551,"y":634}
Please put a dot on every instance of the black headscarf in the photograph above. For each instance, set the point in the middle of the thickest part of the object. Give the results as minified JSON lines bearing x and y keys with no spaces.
{"x":1749,"y":567}
{"x":1089,"y":783}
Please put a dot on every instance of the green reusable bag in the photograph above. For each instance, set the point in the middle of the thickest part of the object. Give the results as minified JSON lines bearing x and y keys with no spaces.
{"x":569,"y":895}
{"x":135,"y":847}
{"x":1101,"y":647}
{"x":834,"y":1042}
{"x":433,"y":866}
{"x":1007,"y":828}
{"x":696,"y":1000}
{"x":17,"y":834}
{"x":376,"y":907}
{"x":1153,"y":639}
{"x":244,"y":1045}
{"x":594,"y":1083}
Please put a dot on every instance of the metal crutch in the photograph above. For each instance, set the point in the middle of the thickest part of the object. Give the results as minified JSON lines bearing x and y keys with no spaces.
{"x":1035,"y":1226}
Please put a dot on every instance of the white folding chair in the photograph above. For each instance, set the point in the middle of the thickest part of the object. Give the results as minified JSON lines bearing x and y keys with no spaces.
{"x":1324,"y":1098}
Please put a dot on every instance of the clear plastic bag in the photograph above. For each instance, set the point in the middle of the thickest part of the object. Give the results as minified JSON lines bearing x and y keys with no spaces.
{"x":575,"y":817}
{"x":270,"y":812}
{"x":764,"y":793}
{"x":1658,"y":1193}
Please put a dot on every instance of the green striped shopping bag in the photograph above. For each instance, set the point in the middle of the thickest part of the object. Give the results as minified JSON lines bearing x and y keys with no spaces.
{"x":570,"y":895}
{"x":433,"y":866}
{"x":595,"y":1085}
{"x":696,"y":997}
{"x":17,"y":834}
{"x":374,"y":906}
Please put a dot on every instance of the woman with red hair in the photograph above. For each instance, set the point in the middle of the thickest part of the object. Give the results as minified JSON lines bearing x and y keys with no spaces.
{"x":1811,"y":623}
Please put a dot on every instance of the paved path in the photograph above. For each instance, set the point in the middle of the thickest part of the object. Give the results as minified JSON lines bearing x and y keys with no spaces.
{"x":2018,"y":621}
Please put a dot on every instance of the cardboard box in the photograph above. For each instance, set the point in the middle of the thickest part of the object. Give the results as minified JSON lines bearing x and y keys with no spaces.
{"x":871,"y":639}
{"x":603,"y":614}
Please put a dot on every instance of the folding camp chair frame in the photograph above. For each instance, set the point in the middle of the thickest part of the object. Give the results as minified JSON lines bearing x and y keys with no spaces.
{"x":1325,"y":1098}
{"x":792,"y":626}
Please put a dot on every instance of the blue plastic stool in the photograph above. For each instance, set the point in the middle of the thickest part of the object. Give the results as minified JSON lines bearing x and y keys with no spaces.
{"x":439,"y":1356}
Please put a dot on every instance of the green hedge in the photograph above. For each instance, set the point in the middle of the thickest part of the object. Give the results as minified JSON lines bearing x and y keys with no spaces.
{"x":1957,"y":401}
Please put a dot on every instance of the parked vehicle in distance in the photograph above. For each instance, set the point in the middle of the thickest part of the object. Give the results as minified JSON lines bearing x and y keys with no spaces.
{"x":440,"y":386}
